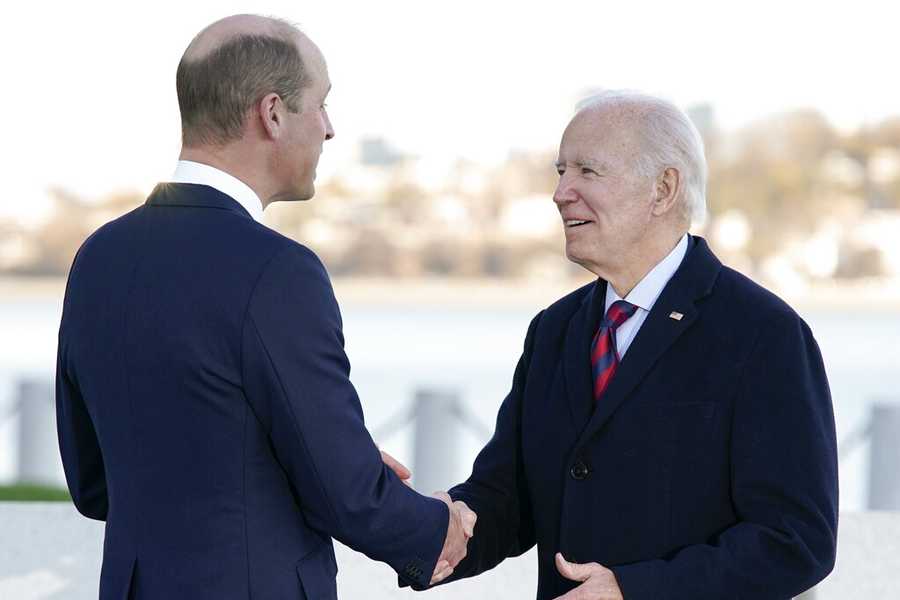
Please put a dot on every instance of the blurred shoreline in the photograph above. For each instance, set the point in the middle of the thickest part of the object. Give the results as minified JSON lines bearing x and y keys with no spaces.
{"x":880,"y":295}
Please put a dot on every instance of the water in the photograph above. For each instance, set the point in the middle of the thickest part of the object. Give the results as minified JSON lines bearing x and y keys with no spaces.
{"x":397,"y":349}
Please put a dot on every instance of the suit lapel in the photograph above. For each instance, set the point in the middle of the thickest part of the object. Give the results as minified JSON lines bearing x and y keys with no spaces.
{"x":577,"y":364}
{"x":693,"y":280}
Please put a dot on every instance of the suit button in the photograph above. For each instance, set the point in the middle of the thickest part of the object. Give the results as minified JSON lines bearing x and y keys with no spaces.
{"x":579,"y":470}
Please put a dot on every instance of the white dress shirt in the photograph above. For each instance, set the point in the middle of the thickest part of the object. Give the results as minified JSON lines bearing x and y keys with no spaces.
{"x":644,"y":295}
{"x":188,"y":171}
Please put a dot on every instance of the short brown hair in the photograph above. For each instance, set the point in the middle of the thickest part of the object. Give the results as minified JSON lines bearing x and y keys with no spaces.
{"x":216,"y":90}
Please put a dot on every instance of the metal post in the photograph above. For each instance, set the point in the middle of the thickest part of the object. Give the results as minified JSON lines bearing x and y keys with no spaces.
{"x":39,"y":461}
{"x":436,"y":439}
{"x":884,"y":457}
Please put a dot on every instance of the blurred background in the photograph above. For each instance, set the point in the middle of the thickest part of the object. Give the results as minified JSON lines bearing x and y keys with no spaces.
{"x":433,"y":210}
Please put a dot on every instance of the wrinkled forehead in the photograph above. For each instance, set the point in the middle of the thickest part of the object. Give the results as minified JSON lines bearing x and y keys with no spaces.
{"x":602,"y":135}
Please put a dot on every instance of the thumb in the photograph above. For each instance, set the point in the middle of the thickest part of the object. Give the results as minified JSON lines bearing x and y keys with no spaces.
{"x":444,"y":497}
{"x":468,"y":517}
{"x":573,"y":571}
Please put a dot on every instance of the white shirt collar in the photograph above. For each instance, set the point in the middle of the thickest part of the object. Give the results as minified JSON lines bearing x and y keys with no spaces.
{"x":649,"y":288}
{"x":188,"y":171}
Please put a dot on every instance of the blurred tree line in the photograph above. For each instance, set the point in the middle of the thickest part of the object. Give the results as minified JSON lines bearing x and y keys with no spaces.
{"x":786,"y":175}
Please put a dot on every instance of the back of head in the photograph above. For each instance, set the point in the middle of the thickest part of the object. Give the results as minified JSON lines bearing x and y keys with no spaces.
{"x":668,"y":138}
{"x":230,"y":66}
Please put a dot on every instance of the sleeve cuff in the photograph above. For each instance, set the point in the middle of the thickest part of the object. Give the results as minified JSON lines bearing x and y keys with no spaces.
{"x":417,"y":572}
{"x":641,"y":580}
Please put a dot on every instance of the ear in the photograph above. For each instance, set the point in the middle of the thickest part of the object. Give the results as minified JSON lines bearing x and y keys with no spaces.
{"x":271,"y":113}
{"x":666,"y":191}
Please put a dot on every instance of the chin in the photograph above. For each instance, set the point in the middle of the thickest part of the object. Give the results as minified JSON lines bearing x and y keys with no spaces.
{"x":582,"y":259}
{"x":572,"y":253}
{"x":304,"y":193}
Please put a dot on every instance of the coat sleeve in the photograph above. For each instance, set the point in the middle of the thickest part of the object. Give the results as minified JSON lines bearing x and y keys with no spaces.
{"x":296,"y":377}
{"x":78,"y":444}
{"x":497,"y":489}
{"x":784,"y":485}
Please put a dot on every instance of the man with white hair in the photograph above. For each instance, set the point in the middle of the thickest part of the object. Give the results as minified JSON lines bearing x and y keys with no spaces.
{"x":204,"y":406}
{"x":669,"y":432}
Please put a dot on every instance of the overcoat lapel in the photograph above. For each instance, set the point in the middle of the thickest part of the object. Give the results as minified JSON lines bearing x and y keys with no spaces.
{"x":576,"y":360}
{"x":693,"y":280}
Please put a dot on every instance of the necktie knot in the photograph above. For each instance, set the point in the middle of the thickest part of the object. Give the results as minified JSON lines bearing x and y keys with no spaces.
{"x":619,"y":312}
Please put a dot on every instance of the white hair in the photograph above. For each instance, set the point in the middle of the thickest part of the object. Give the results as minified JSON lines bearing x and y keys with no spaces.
{"x":669,"y":139}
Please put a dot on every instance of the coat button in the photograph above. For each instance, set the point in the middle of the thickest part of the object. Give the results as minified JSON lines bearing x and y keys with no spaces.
{"x":579,"y":470}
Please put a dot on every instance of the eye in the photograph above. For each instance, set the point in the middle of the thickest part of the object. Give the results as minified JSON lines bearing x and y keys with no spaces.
{"x":588,"y":171}
{"x":560,"y":171}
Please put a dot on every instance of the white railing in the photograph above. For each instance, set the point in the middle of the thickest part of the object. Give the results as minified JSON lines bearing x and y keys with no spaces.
{"x":49,"y":552}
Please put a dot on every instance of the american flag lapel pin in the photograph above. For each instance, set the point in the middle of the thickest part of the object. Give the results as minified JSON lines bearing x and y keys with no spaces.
{"x":676,"y":315}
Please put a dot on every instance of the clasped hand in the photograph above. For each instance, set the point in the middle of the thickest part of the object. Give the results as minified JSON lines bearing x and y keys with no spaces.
{"x":460,"y":529}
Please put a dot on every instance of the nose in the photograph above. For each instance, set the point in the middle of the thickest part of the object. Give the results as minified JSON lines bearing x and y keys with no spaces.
{"x":564,"y":193}
{"x":329,"y":130}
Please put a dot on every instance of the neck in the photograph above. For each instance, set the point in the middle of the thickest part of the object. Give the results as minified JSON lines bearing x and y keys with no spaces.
{"x":639,"y":262}
{"x":237,"y":164}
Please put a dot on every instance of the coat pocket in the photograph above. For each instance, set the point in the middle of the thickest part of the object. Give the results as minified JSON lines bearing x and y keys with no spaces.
{"x":317,"y":572}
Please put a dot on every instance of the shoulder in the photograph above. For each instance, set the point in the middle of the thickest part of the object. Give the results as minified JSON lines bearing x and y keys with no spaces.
{"x":551,"y":323}
{"x":745,"y":310}
{"x":115,"y":234}
{"x":290,"y":257}
{"x":569,"y":304}
{"x":293,"y":278}
{"x":749,"y":300}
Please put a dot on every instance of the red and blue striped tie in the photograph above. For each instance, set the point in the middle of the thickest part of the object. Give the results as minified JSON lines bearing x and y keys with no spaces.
{"x":604,"y":355}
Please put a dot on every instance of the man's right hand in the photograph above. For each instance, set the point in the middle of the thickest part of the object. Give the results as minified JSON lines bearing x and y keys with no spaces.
{"x":460,"y":529}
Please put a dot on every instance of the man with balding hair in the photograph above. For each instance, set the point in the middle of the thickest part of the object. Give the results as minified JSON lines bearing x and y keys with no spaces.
{"x":669,"y":433}
{"x":204,"y":406}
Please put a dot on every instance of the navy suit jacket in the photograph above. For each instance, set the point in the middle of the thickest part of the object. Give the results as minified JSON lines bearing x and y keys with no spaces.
{"x":707,"y":471}
{"x":205,"y":413}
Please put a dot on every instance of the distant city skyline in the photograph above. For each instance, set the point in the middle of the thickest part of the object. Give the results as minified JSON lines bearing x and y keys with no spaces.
{"x":90,"y":101}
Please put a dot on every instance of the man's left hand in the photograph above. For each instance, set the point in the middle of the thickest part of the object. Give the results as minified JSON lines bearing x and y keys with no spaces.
{"x":598,"y":582}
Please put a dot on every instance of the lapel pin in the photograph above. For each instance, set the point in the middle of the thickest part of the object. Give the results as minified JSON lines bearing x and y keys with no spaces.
{"x":676,"y":315}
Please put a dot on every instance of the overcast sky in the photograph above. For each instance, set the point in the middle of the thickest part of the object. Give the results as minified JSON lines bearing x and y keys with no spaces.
{"x":89,"y":96}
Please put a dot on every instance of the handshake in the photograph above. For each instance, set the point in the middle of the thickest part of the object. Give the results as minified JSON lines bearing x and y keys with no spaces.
{"x":459,"y":531}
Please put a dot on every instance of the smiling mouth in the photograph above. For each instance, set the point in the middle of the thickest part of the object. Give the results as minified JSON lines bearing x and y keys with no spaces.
{"x":571,"y":223}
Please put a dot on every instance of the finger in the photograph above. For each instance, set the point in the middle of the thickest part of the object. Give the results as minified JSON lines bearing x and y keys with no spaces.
{"x":439,"y":577}
{"x":573,"y":571}
{"x":469,"y":529}
{"x":396,"y":466}
{"x":441,"y":566}
{"x":468,"y":517}
{"x":444,"y":496}
{"x":468,"y":524}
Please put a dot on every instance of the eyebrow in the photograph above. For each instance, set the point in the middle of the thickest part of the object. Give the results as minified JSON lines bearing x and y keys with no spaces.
{"x":597,"y":165}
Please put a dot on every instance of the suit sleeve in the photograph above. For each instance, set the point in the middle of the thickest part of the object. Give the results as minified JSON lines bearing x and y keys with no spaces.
{"x":78,"y":444}
{"x":784,"y":485}
{"x":497,"y":490}
{"x":296,"y":376}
